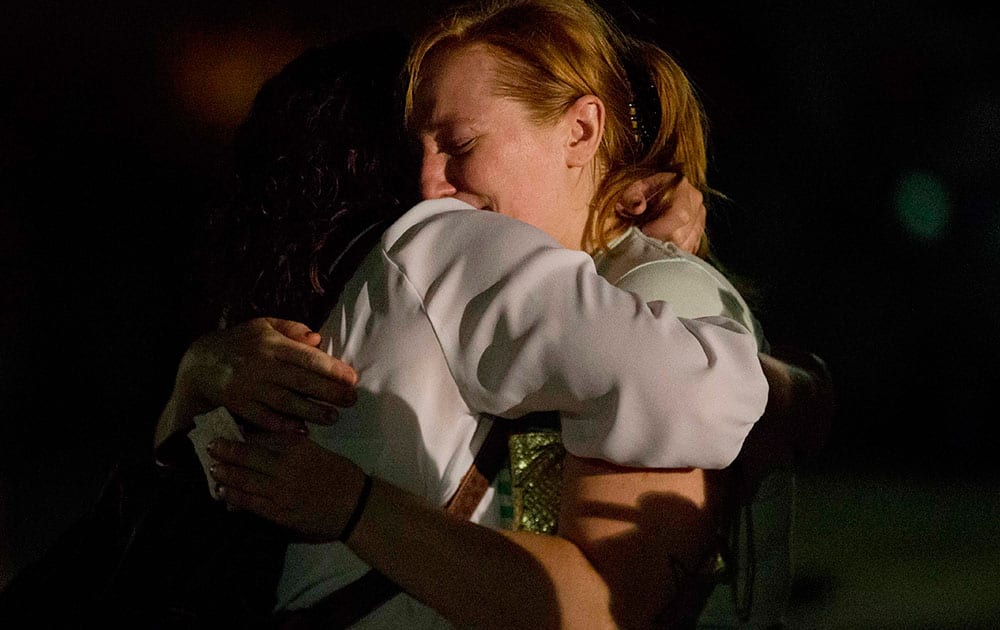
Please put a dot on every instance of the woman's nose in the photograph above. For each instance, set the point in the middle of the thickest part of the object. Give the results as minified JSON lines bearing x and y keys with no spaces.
{"x":434,"y":182}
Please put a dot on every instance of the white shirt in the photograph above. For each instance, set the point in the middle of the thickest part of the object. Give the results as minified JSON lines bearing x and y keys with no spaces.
{"x":460,"y":312}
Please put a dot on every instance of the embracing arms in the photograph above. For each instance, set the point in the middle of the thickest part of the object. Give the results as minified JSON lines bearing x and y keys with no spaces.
{"x":624,"y":535}
{"x":401,"y":535}
{"x":472,"y":575}
{"x":532,"y":327}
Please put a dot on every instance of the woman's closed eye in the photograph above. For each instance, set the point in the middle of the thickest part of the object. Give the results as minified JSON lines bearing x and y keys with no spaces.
{"x":458,"y":147}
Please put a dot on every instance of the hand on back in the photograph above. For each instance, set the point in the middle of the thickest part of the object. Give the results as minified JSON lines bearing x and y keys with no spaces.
{"x":270,"y":373}
{"x":675,"y":208}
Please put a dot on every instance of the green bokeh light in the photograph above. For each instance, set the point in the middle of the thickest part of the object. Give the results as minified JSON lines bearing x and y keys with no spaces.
{"x":923,"y":205}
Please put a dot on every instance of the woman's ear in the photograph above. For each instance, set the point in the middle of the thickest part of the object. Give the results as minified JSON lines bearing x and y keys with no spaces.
{"x":585,"y":123}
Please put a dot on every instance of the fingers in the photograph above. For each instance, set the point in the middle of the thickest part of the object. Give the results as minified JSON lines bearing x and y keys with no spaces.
{"x":689,"y":237}
{"x":272,"y":380}
{"x":278,"y":442}
{"x":330,"y":383}
{"x":639,"y":196}
{"x":324,"y":389}
{"x":281,"y":397}
{"x":633,"y":201}
{"x":673,"y":209}
{"x":294,"y":392}
{"x":249,"y":456}
{"x":254,"y":476}
{"x":679,"y":209}
{"x":316,"y":361}
{"x":266,"y":418}
{"x":243,"y":479}
{"x":292,"y":404}
{"x":287,"y":479}
{"x":294,"y":379}
{"x":295,"y":331}
{"x":239,"y":500}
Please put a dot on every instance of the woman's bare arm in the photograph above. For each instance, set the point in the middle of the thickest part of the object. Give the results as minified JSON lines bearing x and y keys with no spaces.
{"x":647,"y":532}
{"x":472,"y":575}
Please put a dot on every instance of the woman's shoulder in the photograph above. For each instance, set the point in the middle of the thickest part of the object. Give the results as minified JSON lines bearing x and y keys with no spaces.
{"x":655,"y":270}
{"x":635,"y":256}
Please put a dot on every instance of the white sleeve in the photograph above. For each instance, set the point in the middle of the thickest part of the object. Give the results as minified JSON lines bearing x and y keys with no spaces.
{"x":527,"y":325}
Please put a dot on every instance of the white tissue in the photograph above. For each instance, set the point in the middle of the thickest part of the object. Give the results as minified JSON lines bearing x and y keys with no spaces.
{"x":211,"y":426}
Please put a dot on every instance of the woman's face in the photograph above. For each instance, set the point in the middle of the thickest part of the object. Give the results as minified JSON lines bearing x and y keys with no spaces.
{"x":485,"y":150}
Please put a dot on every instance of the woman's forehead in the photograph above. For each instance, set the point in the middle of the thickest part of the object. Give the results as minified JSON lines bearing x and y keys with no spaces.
{"x":467,"y":67}
{"x":460,"y":88}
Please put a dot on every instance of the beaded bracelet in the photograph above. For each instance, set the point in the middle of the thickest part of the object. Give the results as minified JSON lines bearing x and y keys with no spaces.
{"x":359,"y":508}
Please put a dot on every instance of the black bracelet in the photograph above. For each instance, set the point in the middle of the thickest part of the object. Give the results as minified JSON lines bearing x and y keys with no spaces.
{"x":359,"y":508}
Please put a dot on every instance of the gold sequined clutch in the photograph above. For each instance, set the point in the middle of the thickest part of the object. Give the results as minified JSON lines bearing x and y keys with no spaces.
{"x":536,"y":468}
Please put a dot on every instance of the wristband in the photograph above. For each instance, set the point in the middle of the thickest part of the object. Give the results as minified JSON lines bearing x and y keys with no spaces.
{"x":359,"y":508}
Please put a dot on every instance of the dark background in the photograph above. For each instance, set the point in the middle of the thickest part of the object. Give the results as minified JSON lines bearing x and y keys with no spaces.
{"x":859,"y":142}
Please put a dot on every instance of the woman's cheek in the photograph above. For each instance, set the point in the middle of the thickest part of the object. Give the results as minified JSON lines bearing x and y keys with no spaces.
{"x":475,"y":177}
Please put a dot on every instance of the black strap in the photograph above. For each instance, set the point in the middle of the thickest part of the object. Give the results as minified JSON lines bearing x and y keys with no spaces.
{"x":343,"y":607}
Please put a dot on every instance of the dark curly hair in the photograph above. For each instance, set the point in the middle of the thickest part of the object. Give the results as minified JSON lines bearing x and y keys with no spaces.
{"x":318,"y":167}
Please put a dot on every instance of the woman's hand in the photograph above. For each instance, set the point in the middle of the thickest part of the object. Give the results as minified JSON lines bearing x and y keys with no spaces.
{"x":800,"y":408}
{"x":675,"y":207}
{"x":268,"y":372}
{"x":290,"y":480}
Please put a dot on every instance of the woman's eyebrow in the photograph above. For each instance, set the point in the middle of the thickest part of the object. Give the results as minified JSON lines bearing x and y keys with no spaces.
{"x":436,"y":124}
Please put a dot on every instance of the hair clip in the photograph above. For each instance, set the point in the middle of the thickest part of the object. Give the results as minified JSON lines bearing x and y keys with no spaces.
{"x":644,"y":106}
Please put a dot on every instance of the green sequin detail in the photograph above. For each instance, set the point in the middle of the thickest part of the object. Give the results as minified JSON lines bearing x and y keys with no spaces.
{"x":536,"y":465}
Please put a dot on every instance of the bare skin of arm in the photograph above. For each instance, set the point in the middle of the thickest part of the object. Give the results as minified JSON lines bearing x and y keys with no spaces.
{"x":624,"y":533}
{"x":472,"y":575}
{"x":643,"y":530}
{"x":480,"y":577}
{"x":639,"y":526}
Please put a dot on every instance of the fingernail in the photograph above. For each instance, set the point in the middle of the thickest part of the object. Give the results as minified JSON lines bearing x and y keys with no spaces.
{"x":320,"y":402}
